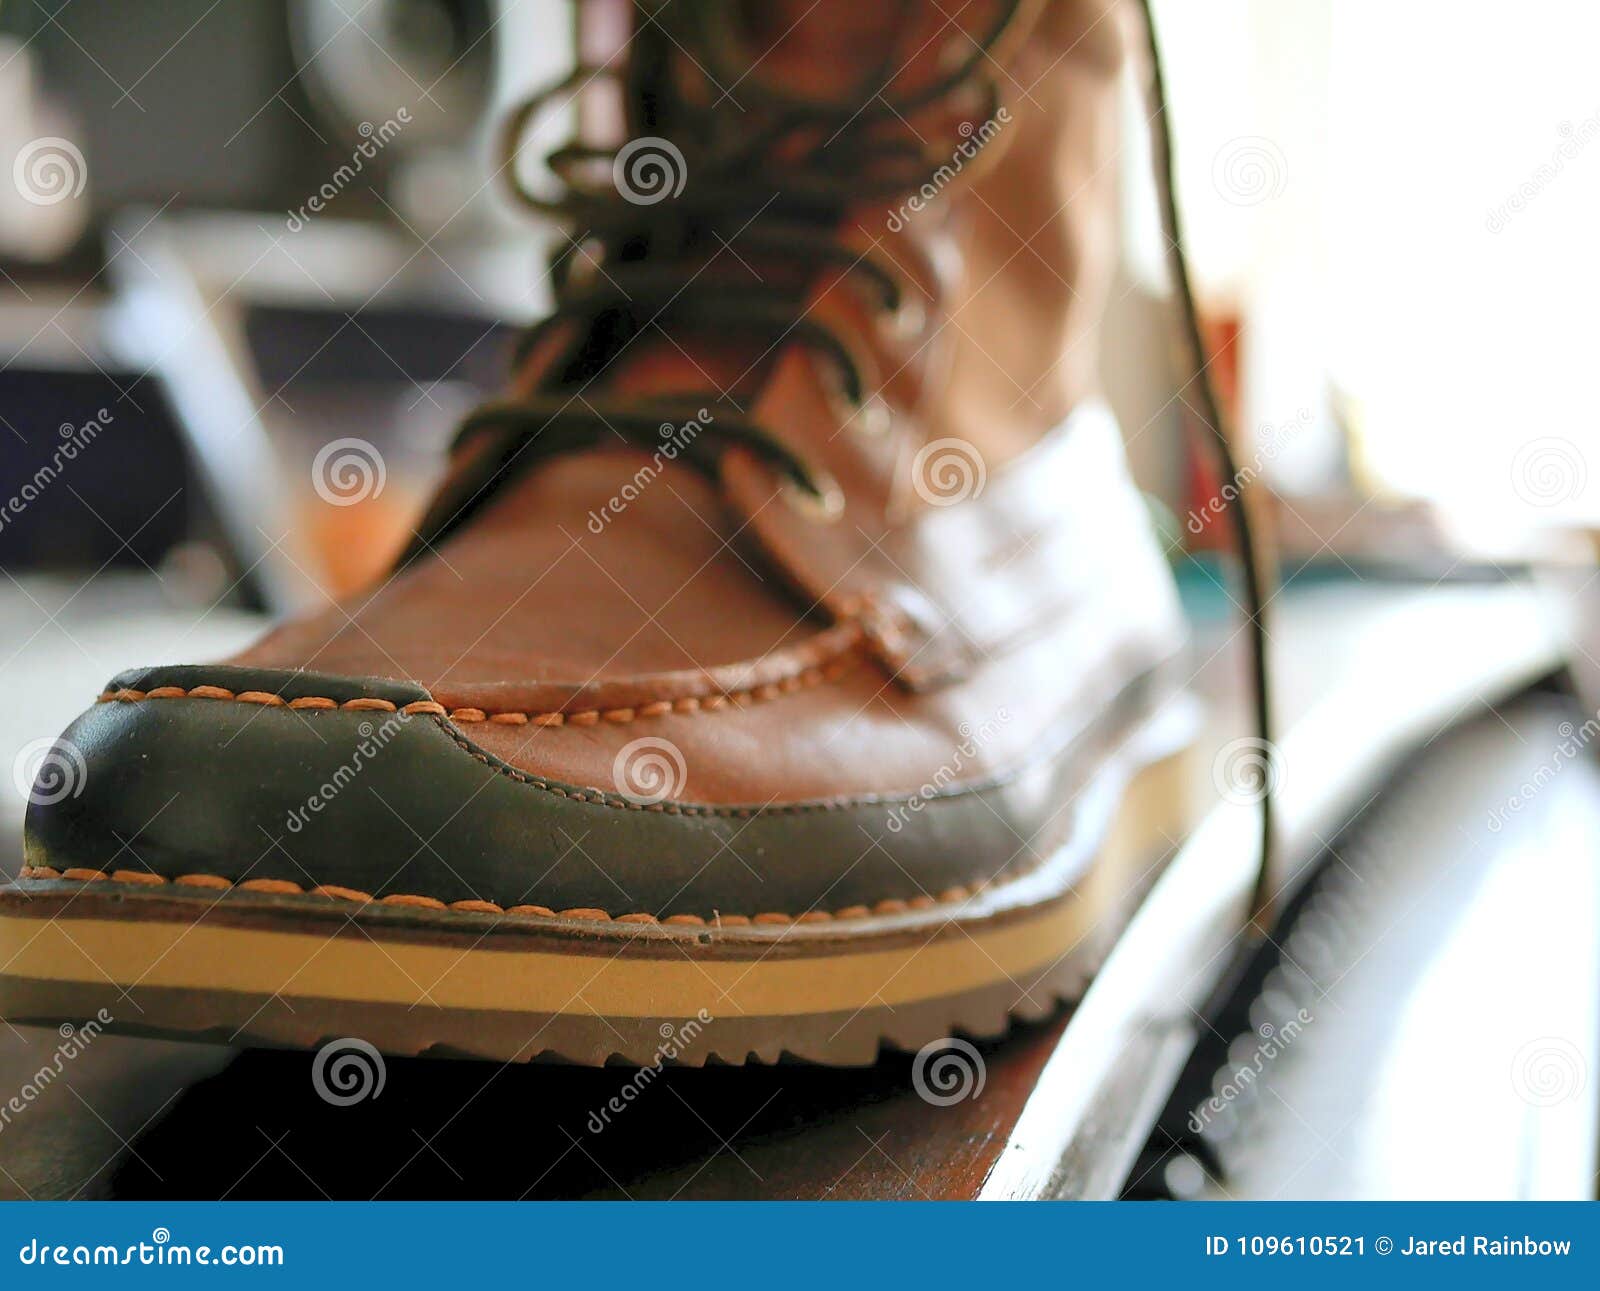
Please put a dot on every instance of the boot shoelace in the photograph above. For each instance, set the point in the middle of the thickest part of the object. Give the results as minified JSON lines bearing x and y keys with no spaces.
{"x":1252,"y":555}
{"x":779,"y":187}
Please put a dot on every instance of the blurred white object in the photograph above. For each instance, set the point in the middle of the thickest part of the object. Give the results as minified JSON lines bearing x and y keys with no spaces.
{"x":44,"y":193}
{"x":1453,"y":1047}
{"x":65,"y":638}
{"x":1387,"y":227}
{"x":1466,"y":268}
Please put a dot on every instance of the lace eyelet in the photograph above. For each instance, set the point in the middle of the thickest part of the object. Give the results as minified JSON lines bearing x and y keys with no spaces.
{"x":868,"y":416}
{"x":910,"y":320}
{"x":824,"y":506}
{"x":872,"y":417}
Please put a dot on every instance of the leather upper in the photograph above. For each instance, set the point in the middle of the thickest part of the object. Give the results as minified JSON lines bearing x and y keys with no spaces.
{"x":985,"y":611}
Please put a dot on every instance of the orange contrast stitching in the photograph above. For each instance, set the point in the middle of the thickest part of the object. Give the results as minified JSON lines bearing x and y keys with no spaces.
{"x":558,"y":717}
{"x":284,"y":887}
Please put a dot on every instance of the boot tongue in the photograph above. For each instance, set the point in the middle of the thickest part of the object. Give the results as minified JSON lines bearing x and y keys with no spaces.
{"x":849,"y":51}
{"x":827,"y":49}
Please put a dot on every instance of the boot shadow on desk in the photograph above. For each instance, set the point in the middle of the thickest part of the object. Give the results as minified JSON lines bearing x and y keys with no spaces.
{"x":455,"y":1129}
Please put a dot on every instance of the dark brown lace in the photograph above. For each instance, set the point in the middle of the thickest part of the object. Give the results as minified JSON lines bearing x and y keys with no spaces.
{"x":775,"y":179}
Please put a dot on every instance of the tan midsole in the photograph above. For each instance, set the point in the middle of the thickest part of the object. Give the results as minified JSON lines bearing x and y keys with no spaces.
{"x":308,"y":965}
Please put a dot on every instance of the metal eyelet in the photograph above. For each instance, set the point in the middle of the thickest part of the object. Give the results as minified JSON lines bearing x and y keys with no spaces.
{"x":825,"y":506}
{"x":872,"y":417}
{"x":910,"y":320}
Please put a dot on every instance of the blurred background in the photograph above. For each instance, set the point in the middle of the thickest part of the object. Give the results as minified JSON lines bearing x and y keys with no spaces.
{"x":255,"y":263}
{"x":232,"y":238}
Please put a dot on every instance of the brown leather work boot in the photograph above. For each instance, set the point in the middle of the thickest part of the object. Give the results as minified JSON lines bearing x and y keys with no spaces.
{"x":786,"y":665}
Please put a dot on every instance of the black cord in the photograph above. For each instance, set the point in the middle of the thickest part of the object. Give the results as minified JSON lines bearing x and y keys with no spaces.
{"x":1250,"y":554}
